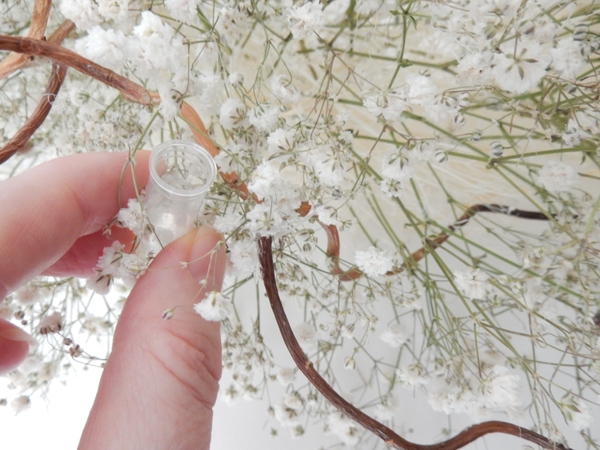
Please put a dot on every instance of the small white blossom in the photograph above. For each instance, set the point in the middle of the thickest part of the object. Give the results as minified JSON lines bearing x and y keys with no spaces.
{"x":184,"y":10}
{"x":281,"y":140}
{"x":214,"y":307}
{"x":133,"y":217}
{"x":557,"y":176}
{"x":105,"y":47}
{"x":20,"y":404}
{"x":343,"y":427}
{"x":84,"y":13}
{"x":232,"y":114}
{"x":304,"y":20}
{"x":520,"y":73}
{"x":578,"y":414}
{"x":567,"y":59}
{"x":394,"y":336}
{"x":307,"y":336}
{"x":264,"y":117}
{"x":283,"y":89}
{"x":50,"y":323}
{"x":286,"y":375}
{"x":471,"y":282}
{"x":243,"y":256}
{"x":374,"y":262}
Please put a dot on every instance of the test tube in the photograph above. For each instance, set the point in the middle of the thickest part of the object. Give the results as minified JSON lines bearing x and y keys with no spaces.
{"x":181,"y":173}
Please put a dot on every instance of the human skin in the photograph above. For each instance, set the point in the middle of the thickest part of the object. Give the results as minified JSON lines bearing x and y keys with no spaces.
{"x":161,"y":380}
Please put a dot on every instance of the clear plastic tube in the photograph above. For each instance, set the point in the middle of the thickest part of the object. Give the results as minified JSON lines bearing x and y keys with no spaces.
{"x":181,"y":173}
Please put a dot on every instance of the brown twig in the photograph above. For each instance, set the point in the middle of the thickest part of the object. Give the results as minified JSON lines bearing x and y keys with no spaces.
{"x":39,"y":20}
{"x":39,"y":115}
{"x":333,"y":239}
{"x":130,"y":90}
{"x":392,"y":439}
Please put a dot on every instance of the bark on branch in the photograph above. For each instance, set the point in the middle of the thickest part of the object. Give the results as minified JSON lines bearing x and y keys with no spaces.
{"x":130,"y":90}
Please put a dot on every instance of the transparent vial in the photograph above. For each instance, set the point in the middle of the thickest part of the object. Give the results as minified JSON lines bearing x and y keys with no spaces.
{"x":181,"y":173}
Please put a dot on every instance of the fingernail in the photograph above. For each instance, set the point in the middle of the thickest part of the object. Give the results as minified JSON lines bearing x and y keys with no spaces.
{"x":206,"y":261}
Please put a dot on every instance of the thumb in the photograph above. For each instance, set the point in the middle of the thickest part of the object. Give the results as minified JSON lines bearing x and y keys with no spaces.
{"x":161,"y":380}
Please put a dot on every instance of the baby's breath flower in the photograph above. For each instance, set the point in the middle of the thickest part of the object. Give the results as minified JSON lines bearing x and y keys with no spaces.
{"x":557,"y":176}
{"x":304,"y":20}
{"x":394,"y":336}
{"x":374,"y":262}
{"x":214,"y":307}
{"x":471,"y":282}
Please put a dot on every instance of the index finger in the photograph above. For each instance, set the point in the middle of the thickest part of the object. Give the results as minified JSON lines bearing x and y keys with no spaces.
{"x":45,"y":210}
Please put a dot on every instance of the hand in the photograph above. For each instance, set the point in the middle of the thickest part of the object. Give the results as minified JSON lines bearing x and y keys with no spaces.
{"x":161,"y":380}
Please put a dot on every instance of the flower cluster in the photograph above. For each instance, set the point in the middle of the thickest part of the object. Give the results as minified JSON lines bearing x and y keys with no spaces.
{"x":386,"y":120}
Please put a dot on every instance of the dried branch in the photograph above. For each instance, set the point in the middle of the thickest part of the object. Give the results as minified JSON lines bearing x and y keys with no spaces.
{"x":39,"y":115}
{"x":333,"y":239}
{"x":392,"y":439}
{"x":39,"y":21}
{"x":130,"y":90}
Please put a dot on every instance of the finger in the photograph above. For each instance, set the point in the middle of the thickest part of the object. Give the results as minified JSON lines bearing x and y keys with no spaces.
{"x":47,"y":208}
{"x":82,"y":257}
{"x":161,"y":380}
{"x":14,"y":346}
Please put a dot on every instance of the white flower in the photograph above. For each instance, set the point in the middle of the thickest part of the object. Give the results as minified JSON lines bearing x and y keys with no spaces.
{"x":578,"y":414}
{"x":396,"y":167}
{"x":520,"y":73}
{"x":557,"y":176}
{"x":232,"y":114}
{"x":232,"y":23}
{"x":104,"y":47}
{"x":394,"y":336}
{"x":500,"y":390}
{"x":307,"y":336}
{"x":214,"y":307}
{"x":133,"y":217}
{"x":567,"y":59}
{"x":264,"y":117}
{"x":476,"y":68}
{"x":184,"y":10}
{"x":283,"y":89}
{"x":412,"y":376}
{"x":327,"y":215}
{"x":50,"y":323}
{"x":388,"y":104}
{"x":281,"y":140}
{"x":286,"y":375}
{"x":471,"y":282}
{"x":420,"y":90}
{"x":236,"y":79}
{"x":343,"y":427}
{"x":243,"y":256}
{"x":157,"y":47}
{"x":28,"y":295}
{"x":113,"y":9}
{"x":286,"y":416}
{"x":84,"y":13}
{"x":374,"y":262}
{"x":20,"y":404}
{"x":304,"y":20}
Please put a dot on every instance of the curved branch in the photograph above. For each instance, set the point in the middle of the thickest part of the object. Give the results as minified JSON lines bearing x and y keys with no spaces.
{"x":39,"y":115}
{"x":333,"y":238}
{"x":39,"y":21}
{"x":392,"y":439}
{"x":130,"y":90}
